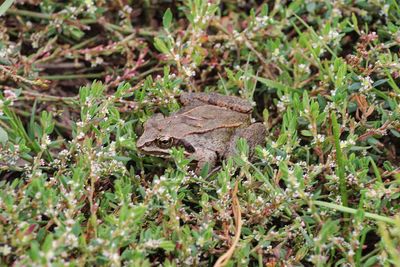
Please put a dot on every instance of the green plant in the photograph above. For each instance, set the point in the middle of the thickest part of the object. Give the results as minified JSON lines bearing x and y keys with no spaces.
{"x":323,"y":77}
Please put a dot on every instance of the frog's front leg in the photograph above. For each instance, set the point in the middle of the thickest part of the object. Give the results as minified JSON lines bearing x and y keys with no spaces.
{"x":203,"y":157}
{"x":254,"y":135}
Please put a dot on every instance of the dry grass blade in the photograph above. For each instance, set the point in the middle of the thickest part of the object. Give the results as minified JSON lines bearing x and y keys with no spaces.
{"x":223,"y":260}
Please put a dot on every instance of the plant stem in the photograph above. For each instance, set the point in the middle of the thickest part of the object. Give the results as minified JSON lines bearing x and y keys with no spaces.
{"x":27,"y":13}
{"x":339,"y":159}
{"x":344,"y":209}
{"x":32,"y":14}
{"x":73,"y":76}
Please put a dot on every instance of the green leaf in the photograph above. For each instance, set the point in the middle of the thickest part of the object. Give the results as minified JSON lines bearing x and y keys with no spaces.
{"x":371,"y":261}
{"x":123,"y":214}
{"x":161,"y":46}
{"x":6,"y":5}
{"x":379,"y":82}
{"x":167,"y":18}
{"x":204,"y":171}
{"x":321,"y":118}
{"x":355,"y":22}
{"x":167,"y":245}
{"x":48,"y":243}
{"x":341,"y":73}
{"x":3,"y":136}
{"x":302,"y":253}
{"x":5,"y":61}
{"x":340,"y":161}
{"x":354,"y":87}
{"x":395,"y":133}
{"x":76,"y":33}
{"x":306,"y":133}
{"x":372,"y":141}
{"x":273,"y":84}
{"x":392,"y":83}
{"x":34,"y":251}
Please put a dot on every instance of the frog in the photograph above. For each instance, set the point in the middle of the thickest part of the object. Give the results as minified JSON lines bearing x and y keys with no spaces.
{"x":207,"y":127}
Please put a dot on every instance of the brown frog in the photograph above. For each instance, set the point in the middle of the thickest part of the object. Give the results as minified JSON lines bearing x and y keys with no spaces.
{"x":207,"y":127}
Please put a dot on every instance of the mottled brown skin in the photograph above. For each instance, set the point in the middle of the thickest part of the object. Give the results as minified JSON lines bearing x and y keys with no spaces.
{"x":207,"y":127}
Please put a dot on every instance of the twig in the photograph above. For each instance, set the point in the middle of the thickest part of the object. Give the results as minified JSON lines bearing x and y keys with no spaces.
{"x":17,"y":77}
{"x":223,"y":260}
{"x":110,"y":26}
{"x":44,"y":97}
{"x":27,"y":13}
{"x":63,"y":65}
{"x":73,"y":76}
{"x":260,"y":57}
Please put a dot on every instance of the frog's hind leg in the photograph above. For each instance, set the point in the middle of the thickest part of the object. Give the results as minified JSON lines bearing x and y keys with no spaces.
{"x":232,"y":102}
{"x":205,"y":157}
{"x":254,"y":135}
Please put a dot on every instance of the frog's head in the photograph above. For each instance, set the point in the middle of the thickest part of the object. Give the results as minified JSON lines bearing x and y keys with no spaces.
{"x":157,"y":140}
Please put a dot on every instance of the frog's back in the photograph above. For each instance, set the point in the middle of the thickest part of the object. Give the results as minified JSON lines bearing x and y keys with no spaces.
{"x":203,"y":119}
{"x":231,"y":102}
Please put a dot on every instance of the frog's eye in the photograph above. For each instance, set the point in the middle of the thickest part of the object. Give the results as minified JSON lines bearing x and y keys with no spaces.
{"x":165,"y":142}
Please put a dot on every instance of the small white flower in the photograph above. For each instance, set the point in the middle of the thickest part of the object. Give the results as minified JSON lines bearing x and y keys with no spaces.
{"x":127,"y":9}
{"x":5,"y":250}
{"x":332,"y":35}
{"x":366,"y":83}
{"x":320,"y":138}
{"x":81,"y":135}
{"x":304,"y":68}
{"x":45,"y":141}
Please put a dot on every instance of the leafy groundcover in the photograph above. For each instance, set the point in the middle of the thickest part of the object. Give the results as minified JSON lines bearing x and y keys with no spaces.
{"x":79,"y":78}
